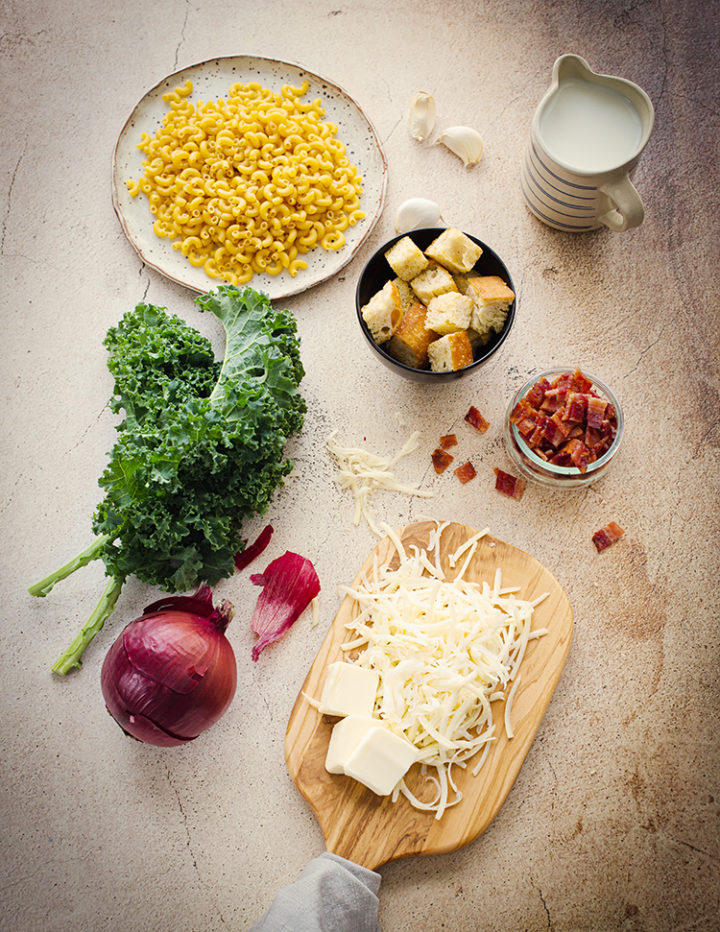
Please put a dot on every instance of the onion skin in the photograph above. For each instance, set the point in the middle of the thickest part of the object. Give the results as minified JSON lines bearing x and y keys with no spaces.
{"x":171,"y":673}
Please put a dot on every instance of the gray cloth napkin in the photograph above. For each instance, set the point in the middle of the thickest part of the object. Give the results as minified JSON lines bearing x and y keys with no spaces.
{"x":331,"y":895}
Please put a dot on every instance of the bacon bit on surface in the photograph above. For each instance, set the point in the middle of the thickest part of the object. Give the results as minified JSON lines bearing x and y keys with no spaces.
{"x":566,"y":422}
{"x":607,"y":535}
{"x":466,"y":472}
{"x":508,"y":484}
{"x":243,"y":557}
{"x":441,"y":460}
{"x":448,"y":440}
{"x":476,"y":420}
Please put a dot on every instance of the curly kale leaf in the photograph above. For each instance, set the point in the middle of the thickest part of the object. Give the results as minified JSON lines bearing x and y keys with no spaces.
{"x":201,"y":444}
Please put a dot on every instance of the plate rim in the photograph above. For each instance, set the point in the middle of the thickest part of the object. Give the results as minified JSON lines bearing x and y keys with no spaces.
{"x":300,"y":288}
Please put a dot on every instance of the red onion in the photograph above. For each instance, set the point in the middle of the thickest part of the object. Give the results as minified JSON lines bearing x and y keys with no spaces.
{"x":290,"y":583}
{"x":171,"y":673}
{"x":246,"y":556}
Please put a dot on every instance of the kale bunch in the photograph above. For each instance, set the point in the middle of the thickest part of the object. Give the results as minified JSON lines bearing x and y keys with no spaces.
{"x":199,"y":449}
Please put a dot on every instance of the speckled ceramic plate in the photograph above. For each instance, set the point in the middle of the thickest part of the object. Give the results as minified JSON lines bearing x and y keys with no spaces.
{"x":211,"y":79}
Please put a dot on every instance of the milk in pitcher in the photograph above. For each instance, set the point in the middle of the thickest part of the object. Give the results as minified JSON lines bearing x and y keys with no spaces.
{"x":590,"y":127}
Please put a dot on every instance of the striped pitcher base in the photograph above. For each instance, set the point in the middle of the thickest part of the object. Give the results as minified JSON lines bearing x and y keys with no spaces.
{"x":557,"y":198}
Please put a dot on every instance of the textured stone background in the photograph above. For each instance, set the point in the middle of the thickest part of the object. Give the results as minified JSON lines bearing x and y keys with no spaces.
{"x":613,"y":821}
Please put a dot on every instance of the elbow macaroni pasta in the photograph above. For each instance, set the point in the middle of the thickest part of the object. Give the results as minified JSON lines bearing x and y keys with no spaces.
{"x":250,"y":183}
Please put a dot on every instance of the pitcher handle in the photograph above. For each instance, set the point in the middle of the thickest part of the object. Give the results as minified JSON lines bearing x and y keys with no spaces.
{"x":627,"y":210}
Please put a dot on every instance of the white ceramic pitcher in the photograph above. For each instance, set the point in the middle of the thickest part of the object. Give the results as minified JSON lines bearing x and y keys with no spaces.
{"x":587,"y":135}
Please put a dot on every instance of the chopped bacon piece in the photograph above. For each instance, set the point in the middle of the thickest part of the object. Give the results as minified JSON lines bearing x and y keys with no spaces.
{"x":592,"y":439}
{"x":578,"y":453}
{"x":582,"y":382}
{"x":576,"y":408}
{"x":538,"y":435}
{"x":466,"y":472}
{"x":564,"y":384}
{"x":556,"y":430}
{"x":552,"y":401}
{"x":607,"y":535}
{"x":522,"y":410}
{"x":526,"y":426}
{"x":441,"y":460}
{"x":561,"y":458}
{"x":595,"y":412}
{"x":566,"y":422}
{"x":536,"y":394}
{"x":476,"y":420}
{"x":508,"y":484}
{"x":552,"y":433}
{"x":447,"y":441}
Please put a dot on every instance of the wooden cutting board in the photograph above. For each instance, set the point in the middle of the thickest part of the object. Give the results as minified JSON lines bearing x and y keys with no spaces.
{"x":372,"y":830}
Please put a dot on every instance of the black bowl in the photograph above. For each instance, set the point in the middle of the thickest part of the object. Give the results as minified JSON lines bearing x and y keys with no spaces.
{"x":377,"y":272}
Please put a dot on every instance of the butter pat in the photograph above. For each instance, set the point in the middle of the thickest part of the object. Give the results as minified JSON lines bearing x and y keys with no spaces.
{"x":348,"y":690}
{"x":380,"y":760}
{"x":344,"y":739}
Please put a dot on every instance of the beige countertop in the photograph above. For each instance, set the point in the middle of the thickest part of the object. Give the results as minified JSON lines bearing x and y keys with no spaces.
{"x":613,"y":820}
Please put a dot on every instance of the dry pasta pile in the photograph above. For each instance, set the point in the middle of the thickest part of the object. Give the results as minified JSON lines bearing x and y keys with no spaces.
{"x":250,"y":183}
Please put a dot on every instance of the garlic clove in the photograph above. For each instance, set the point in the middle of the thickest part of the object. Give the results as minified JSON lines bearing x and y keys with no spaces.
{"x":415,"y":213}
{"x":422,"y":115}
{"x":464,"y":142}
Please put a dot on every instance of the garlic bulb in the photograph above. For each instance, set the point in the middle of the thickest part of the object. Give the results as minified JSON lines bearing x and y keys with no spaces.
{"x":422,"y":115}
{"x":465,"y":142}
{"x":415,"y":213}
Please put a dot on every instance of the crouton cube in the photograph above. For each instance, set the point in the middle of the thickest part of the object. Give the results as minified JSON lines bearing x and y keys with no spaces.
{"x":490,"y":289}
{"x":450,"y":312}
{"x":383,"y":313}
{"x":450,"y":352}
{"x":434,"y":281}
{"x":407,"y":295}
{"x":492,"y":299}
{"x":454,"y":250}
{"x":410,"y":341}
{"x":488,"y":320}
{"x":406,"y":259}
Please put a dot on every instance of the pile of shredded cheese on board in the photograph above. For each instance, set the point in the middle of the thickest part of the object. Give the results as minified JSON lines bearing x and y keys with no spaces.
{"x":445,"y":651}
{"x":364,"y":473}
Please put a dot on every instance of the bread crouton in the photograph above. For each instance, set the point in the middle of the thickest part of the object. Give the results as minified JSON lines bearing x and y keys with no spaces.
{"x":434,"y":281}
{"x":450,"y":352}
{"x":409,"y":343}
{"x":407,"y":295}
{"x":492,"y":299}
{"x":454,"y":250}
{"x":383,"y":313}
{"x":450,"y":312}
{"x":406,"y":259}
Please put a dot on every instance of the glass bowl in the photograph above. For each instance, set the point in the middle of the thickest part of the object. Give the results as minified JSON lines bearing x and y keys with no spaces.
{"x":534,"y":467}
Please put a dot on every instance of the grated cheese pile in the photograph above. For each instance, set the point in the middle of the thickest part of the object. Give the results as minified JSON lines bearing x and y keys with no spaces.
{"x":445,"y":651}
{"x":364,"y":473}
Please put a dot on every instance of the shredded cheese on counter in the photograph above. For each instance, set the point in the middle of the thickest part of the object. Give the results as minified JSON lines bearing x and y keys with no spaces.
{"x":445,"y":651}
{"x":364,"y":473}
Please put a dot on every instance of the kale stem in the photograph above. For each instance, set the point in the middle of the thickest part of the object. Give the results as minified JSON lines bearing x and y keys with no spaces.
{"x":90,"y":553}
{"x":70,"y":659}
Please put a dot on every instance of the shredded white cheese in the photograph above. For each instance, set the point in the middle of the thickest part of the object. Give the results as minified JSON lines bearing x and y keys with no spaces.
{"x":315,"y":617}
{"x":445,"y":651}
{"x":364,"y":473}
